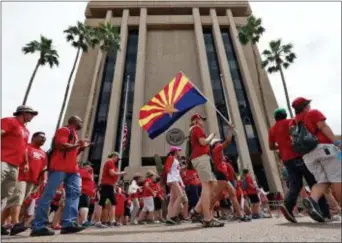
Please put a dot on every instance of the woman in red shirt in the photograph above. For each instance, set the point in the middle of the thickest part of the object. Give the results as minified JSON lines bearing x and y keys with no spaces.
{"x":147,"y":195}
{"x":88,"y":188}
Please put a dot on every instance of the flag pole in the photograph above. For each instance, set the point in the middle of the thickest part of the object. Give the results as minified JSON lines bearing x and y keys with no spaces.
{"x":123,"y":122}
{"x":213,"y":105}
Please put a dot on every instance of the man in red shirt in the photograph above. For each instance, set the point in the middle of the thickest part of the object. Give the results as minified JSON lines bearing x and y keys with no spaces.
{"x":148,"y":194}
{"x":14,"y":138}
{"x":29,"y":178}
{"x":88,"y":190}
{"x":200,"y":148}
{"x":279,"y":139}
{"x":322,"y":161}
{"x":223,"y":175}
{"x":110,"y":175}
{"x":63,"y":168}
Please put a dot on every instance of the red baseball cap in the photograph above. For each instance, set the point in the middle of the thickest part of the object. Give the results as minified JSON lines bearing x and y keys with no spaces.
{"x":198,"y":116}
{"x":300,"y":102}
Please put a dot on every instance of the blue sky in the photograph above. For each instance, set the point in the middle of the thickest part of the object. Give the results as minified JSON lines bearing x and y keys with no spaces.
{"x":314,"y":28}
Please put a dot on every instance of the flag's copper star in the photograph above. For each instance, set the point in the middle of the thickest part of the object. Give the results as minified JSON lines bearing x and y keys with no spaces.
{"x":170,"y":109}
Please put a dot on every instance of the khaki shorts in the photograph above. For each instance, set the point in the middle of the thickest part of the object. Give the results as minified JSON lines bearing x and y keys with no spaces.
{"x":9,"y":176}
{"x":22,"y":190}
{"x":203,"y":167}
{"x":325,"y":167}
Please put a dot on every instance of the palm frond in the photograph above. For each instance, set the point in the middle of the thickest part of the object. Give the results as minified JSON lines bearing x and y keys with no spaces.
{"x":286,"y":65}
{"x":272,"y":69}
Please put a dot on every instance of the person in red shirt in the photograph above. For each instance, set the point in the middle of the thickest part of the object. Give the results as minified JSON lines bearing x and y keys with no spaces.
{"x":120,"y":206}
{"x":110,"y":176}
{"x":252,"y":193}
{"x":322,"y":161}
{"x":192,"y":185}
{"x":280,"y":139}
{"x":200,"y":148}
{"x":14,"y":138}
{"x":224,"y":175}
{"x":134,"y":191}
{"x":158,"y":200}
{"x":63,"y":167}
{"x":147,"y":195}
{"x":88,"y":190}
{"x":29,"y":174}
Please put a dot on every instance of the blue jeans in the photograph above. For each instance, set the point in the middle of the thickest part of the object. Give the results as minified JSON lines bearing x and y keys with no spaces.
{"x":72,"y":185}
{"x":193,"y":193}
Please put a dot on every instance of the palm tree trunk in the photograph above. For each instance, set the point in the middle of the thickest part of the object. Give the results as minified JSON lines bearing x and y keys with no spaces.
{"x":31,"y":82}
{"x":260,"y":87}
{"x":67,"y":89}
{"x":286,"y":91}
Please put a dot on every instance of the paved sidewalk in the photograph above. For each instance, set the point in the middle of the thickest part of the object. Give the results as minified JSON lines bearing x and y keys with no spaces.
{"x":262,"y":230}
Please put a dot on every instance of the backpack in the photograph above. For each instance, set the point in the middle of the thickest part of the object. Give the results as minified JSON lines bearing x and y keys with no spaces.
{"x":49,"y":153}
{"x":303,"y":141}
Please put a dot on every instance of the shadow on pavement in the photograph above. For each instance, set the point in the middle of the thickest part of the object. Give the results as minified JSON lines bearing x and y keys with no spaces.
{"x":170,"y":229}
{"x":336,"y":225}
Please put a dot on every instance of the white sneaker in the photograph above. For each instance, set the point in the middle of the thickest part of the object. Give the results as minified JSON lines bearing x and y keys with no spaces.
{"x":100,"y":225}
{"x":135,"y":222}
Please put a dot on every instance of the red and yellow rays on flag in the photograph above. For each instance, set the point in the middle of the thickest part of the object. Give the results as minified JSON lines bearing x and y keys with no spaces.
{"x":164,"y":102}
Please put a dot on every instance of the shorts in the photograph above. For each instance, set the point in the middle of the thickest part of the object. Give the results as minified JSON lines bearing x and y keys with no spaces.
{"x":254,"y":198}
{"x":127,"y":212}
{"x":204,"y":168}
{"x":53,"y":208}
{"x":84,"y":201}
{"x":157,"y":203}
{"x":9,"y":175}
{"x":22,"y":190}
{"x":107,"y":192}
{"x":220,"y":175}
{"x":148,"y":204}
{"x":323,"y":163}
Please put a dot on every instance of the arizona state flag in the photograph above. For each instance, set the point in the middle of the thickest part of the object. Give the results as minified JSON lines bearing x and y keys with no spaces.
{"x":172,"y":102}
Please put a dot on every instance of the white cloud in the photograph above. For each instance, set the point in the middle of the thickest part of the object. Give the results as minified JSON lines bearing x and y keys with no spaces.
{"x":314,"y":29}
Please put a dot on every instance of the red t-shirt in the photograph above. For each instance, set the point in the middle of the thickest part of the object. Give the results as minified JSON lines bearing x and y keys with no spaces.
{"x":190,"y":177}
{"x":159,"y":190}
{"x":197,"y":149}
{"x":61,"y":160}
{"x":310,"y":119}
{"x":280,"y":134}
{"x":14,"y":141}
{"x":230,"y":172}
{"x":148,"y":183}
{"x":37,"y":159}
{"x":107,"y":179}
{"x":88,"y":184}
{"x":251,"y":189}
{"x":218,"y":158}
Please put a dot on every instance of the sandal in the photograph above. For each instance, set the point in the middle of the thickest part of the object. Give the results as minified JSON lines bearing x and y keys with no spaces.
{"x":212,"y":224}
{"x":195,"y":217}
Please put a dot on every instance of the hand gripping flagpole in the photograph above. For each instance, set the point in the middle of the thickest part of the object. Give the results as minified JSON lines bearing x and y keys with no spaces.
{"x":213,"y":105}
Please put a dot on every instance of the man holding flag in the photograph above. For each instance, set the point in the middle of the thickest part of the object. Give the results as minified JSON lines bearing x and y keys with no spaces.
{"x":164,"y":109}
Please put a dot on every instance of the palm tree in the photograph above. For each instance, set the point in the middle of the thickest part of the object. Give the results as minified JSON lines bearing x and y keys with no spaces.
{"x":109,"y":37}
{"x":251,"y":33}
{"x":279,"y":56}
{"x":81,"y":37}
{"x":47,"y":55}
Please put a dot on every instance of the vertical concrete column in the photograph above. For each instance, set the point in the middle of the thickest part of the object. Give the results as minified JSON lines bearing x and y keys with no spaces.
{"x":204,"y":70}
{"x":139,"y":96}
{"x":114,"y":105}
{"x":268,"y":158}
{"x":89,"y":117}
{"x":240,"y":137}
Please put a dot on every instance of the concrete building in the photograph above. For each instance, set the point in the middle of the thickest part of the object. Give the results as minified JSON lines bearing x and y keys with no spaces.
{"x":159,"y":39}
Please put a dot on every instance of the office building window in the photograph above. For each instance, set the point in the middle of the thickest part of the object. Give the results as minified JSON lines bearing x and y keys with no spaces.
{"x":244,"y":107}
{"x":219,"y":95}
{"x":129,"y":76}
{"x":100,"y":123}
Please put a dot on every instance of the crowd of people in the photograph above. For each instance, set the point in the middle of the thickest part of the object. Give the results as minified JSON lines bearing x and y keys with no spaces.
{"x":49,"y":191}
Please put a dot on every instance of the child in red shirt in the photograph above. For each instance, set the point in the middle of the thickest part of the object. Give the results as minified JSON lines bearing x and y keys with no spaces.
{"x":120,"y":205}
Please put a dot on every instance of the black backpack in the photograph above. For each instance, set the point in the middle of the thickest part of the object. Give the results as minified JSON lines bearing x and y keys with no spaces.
{"x":52,"y":149}
{"x":188,"y":148}
{"x":303,"y":141}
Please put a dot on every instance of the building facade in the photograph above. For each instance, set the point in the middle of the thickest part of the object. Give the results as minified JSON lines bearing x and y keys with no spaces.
{"x":159,"y":39}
